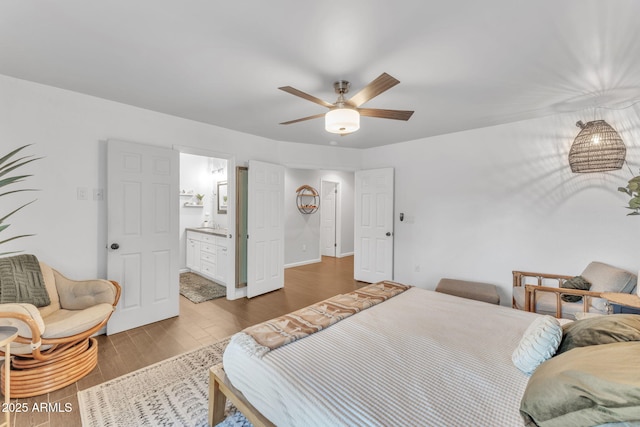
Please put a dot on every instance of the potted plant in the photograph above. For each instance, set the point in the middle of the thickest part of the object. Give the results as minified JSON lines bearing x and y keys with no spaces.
{"x":7,"y":165}
{"x":199,"y":197}
{"x":633,"y":190}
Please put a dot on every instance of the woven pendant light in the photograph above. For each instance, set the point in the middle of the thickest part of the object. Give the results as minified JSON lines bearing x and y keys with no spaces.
{"x":597,"y":148}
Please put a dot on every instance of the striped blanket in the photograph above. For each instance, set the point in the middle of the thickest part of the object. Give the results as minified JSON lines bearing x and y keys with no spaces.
{"x":285,"y":329}
{"x":421,"y":358}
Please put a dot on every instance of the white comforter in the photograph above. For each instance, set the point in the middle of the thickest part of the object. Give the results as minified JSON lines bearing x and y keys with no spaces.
{"x":420,"y":359}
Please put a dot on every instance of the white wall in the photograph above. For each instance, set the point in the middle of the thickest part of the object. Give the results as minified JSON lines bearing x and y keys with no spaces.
{"x":489,"y":201}
{"x":70,"y":130}
{"x":484,"y":202}
{"x":302,"y":232}
{"x":305,"y":229}
{"x":195,"y":178}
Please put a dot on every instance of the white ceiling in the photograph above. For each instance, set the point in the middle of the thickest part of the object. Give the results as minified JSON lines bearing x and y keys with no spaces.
{"x":462,"y":64}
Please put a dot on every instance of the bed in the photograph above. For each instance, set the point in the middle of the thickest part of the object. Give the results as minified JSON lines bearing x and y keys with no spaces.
{"x":418,"y":358}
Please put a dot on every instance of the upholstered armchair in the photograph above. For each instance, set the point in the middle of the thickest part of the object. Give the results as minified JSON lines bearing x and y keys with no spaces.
{"x":54,"y":347}
{"x":542,"y":293}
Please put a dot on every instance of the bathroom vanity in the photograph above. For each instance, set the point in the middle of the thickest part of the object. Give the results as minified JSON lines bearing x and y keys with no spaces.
{"x":207,"y":253}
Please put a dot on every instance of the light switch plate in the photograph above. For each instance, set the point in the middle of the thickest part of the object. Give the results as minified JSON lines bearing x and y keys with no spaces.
{"x":82,"y":193}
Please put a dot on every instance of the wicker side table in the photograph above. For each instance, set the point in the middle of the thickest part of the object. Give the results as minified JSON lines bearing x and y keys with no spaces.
{"x":7,"y":335}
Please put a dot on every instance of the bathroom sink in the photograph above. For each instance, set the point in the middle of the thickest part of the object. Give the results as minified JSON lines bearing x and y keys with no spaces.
{"x":213,"y":230}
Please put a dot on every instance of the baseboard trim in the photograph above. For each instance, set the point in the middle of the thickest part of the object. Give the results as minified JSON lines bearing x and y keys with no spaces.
{"x":298,"y":264}
{"x":345,"y":254}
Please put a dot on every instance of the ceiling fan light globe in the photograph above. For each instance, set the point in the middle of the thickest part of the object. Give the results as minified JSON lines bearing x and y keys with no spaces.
{"x":342,"y":120}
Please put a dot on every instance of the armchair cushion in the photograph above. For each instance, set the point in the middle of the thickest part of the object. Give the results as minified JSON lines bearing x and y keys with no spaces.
{"x":50,"y":284}
{"x":28,"y":310}
{"x":606,"y":278}
{"x":76,"y":307}
{"x":65,"y":323}
{"x":82,"y":294}
{"x":60,"y":324}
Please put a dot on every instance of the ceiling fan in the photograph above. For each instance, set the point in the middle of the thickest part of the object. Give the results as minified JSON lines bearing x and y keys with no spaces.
{"x":344,"y":115}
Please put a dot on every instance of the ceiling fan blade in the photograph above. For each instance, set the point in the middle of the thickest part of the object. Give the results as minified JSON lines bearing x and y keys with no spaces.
{"x":386,"y":114}
{"x":317,"y":116}
{"x":301,"y":94}
{"x":382,"y":83}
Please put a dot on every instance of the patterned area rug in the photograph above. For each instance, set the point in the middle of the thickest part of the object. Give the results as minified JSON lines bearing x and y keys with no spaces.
{"x":198,"y":289}
{"x":173,"y":392}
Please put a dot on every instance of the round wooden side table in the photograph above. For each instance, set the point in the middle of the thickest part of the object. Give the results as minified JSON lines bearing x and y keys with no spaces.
{"x":7,"y":335}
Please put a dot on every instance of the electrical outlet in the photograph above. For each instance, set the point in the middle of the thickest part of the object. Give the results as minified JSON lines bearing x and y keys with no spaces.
{"x":98,"y":194}
{"x":304,"y":248}
{"x":82,"y":193}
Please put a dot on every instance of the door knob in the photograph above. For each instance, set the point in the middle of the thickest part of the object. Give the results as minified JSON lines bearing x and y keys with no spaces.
{"x":115,"y":246}
{"x":388,"y":233}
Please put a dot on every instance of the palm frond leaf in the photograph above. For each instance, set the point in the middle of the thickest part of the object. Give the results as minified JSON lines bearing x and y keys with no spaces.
{"x":11,"y":154}
{"x":9,"y":163}
{"x":13,"y":180}
{"x":14,"y":211}
{"x":17,"y":191}
{"x":15,"y":237}
{"x":11,"y":166}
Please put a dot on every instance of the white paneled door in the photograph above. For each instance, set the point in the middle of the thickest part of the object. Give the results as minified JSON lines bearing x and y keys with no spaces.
{"x":142,"y":245}
{"x":265,"y":225}
{"x":328,"y":206}
{"x":373,"y":249}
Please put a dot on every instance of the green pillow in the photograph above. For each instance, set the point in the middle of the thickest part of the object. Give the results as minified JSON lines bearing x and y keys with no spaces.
{"x":577,"y":282}
{"x":584,"y":387}
{"x":600,"y":330}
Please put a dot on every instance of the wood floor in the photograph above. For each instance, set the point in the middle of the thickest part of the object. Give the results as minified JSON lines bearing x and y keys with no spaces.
{"x":197,"y":325}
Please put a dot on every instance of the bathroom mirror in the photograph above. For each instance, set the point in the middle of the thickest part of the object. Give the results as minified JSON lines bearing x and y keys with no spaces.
{"x":222,"y":197}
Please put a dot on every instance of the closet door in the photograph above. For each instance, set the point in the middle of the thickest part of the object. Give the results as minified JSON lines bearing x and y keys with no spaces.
{"x":373,"y":255}
{"x":328,"y":218}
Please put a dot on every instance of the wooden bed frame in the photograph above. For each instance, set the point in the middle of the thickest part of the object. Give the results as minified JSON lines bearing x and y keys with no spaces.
{"x":221,"y":389}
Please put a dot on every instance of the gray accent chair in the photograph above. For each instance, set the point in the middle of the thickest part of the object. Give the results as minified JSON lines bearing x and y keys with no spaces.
{"x":541,"y":292}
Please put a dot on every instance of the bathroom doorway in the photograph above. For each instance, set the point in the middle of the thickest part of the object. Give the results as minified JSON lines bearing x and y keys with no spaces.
{"x":207,"y":217}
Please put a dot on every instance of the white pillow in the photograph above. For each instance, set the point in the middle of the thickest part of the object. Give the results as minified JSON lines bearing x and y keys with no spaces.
{"x":539,"y":343}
